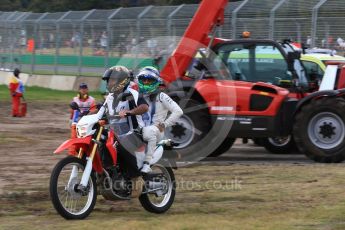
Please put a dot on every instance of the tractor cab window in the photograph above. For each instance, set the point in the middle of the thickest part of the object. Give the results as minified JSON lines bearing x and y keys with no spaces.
{"x":254,"y":62}
{"x":313,"y":70}
{"x":202,"y":66}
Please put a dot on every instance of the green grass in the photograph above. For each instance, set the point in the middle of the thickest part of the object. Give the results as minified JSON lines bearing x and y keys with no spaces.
{"x":35,"y":93}
{"x":270,"y":197}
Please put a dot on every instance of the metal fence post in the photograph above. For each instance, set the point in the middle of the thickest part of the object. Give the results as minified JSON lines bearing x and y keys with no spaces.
{"x":1,"y":49}
{"x":11,"y":40}
{"x":57,"y":42}
{"x":15,"y":40}
{"x":135,"y":63}
{"x":314,"y":21}
{"x":234,"y":18}
{"x":109,"y":27}
{"x":272,"y":18}
{"x":36,"y":25}
{"x":327,"y":34}
{"x":172,"y":14}
{"x":299,"y":33}
{"x":19,"y":21}
{"x":82,"y":22}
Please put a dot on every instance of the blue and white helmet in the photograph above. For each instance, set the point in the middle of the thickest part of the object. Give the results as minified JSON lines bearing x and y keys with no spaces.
{"x":151,"y":68}
{"x":148,"y":72}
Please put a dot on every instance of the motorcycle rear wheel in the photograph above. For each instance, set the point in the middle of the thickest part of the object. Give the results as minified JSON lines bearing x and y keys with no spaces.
{"x":68,"y":201}
{"x":160,"y":203}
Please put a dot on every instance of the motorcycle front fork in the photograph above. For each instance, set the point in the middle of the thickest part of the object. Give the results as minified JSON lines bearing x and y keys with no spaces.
{"x":74,"y":173}
{"x":89,"y":160}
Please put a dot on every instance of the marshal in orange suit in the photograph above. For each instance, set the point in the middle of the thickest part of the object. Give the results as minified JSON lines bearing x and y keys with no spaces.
{"x":16,"y":87}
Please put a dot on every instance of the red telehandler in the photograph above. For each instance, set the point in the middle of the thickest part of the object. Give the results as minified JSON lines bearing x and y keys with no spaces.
{"x":248,"y":88}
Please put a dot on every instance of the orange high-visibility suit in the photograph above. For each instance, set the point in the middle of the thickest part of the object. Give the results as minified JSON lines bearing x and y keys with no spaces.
{"x":16,"y":87}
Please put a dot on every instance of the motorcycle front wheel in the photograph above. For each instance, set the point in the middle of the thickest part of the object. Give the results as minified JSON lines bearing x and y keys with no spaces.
{"x":160,"y":190}
{"x":68,"y":200}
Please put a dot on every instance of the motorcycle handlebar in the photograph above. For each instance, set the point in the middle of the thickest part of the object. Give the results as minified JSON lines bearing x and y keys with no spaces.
{"x":114,"y":116}
{"x":117,"y":116}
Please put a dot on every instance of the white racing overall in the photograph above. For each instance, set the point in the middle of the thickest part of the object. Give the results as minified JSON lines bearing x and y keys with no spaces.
{"x":157,"y":114}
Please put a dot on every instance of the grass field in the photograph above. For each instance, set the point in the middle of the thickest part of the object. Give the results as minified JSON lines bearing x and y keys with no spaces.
{"x":216,"y":195}
{"x":266,"y":197}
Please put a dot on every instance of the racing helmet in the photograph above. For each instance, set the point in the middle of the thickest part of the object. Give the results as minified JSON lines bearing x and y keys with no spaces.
{"x":148,"y":80}
{"x":117,"y":78}
{"x":151,"y":68}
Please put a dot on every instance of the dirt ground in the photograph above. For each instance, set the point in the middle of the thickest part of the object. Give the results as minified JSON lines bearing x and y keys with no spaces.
{"x":292,"y":194}
{"x":27,"y":145}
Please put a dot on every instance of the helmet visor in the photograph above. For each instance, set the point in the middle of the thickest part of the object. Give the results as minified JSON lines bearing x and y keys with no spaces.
{"x":147,"y":83}
{"x":107,"y":74}
{"x":146,"y":79}
{"x":117,"y":85}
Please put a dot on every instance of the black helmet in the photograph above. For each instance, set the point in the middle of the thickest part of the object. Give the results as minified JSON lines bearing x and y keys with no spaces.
{"x":16,"y":72}
{"x":120,"y":74}
{"x":116,"y":72}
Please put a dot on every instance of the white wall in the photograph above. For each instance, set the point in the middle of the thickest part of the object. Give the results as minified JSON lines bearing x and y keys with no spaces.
{"x":58,"y":82}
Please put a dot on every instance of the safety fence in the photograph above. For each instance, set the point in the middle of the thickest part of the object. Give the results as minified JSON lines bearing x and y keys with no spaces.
{"x":86,"y":42}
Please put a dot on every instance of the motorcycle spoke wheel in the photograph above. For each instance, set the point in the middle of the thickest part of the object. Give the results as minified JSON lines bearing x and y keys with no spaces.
{"x":68,"y":200}
{"x":160,"y":200}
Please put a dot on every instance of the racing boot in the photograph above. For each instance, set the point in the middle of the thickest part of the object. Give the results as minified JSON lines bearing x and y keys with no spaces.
{"x":146,"y":167}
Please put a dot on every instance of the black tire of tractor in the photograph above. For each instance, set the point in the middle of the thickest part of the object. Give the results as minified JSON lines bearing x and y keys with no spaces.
{"x":257,"y":141}
{"x":301,"y":134}
{"x":199,"y":117}
{"x":224,"y":147}
{"x":289,"y":147}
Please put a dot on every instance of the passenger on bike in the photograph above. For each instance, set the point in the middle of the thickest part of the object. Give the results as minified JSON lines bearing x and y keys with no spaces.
{"x":156,"y":119}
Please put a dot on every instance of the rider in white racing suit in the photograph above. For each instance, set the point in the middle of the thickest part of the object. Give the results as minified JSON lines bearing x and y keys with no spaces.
{"x":156,"y":118}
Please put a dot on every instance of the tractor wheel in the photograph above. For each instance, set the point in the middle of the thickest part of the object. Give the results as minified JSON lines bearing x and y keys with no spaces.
{"x":279,"y":145}
{"x":194,"y":124}
{"x":319,"y":130}
{"x":225,"y":146}
{"x":257,"y":141}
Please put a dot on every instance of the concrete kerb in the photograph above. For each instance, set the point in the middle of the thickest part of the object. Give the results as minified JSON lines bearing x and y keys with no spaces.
{"x":39,"y":80}
{"x":5,"y":77}
{"x":62,"y":82}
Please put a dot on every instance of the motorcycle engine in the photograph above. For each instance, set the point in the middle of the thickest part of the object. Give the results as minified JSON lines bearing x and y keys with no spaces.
{"x":114,"y":186}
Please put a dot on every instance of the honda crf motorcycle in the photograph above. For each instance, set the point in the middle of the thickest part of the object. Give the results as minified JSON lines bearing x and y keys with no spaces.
{"x":95,"y":169}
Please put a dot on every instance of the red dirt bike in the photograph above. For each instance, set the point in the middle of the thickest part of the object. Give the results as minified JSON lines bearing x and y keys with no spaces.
{"x":96,"y":168}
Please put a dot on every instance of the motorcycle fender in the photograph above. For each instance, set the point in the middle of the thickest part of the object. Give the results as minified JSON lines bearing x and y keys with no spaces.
{"x":79,"y":142}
